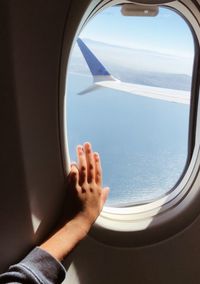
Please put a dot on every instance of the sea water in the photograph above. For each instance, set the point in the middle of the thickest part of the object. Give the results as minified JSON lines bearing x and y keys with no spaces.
{"x":143,"y":142}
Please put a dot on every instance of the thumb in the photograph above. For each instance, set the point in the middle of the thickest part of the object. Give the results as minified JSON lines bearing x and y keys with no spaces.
{"x":105,"y":192}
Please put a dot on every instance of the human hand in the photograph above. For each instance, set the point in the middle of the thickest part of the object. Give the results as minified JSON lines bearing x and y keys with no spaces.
{"x":85,"y":182}
{"x":87,"y":175}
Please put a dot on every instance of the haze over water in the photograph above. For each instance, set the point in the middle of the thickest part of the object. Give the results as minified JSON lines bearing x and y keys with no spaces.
{"x":142,"y":142}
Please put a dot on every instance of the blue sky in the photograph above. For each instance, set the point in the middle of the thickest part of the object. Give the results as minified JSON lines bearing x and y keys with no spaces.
{"x":166,"y":33}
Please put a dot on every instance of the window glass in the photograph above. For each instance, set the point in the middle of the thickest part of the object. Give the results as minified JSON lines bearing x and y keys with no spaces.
{"x":128,"y":93}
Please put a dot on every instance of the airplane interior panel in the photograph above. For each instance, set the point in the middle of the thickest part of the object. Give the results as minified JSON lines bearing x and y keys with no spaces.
{"x":57,"y":75}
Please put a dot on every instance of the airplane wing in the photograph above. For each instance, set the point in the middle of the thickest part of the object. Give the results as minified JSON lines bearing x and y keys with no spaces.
{"x":103,"y":78}
{"x":165,"y":94}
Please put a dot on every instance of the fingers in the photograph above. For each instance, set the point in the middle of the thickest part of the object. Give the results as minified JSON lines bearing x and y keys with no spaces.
{"x":89,"y":170}
{"x":82,"y":165}
{"x":75,"y":175}
{"x":98,"y":169}
{"x":90,"y":162}
{"x":86,"y":181}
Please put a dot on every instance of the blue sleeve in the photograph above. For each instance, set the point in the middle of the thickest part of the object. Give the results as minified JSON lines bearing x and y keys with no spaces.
{"x":38,"y":267}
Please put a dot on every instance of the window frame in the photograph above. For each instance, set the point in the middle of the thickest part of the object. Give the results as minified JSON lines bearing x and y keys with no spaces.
{"x":148,"y":223}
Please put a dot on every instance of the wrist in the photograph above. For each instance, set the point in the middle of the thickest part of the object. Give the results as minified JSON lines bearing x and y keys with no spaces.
{"x":80,"y":225}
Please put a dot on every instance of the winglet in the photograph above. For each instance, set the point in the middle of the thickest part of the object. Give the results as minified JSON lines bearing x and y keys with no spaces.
{"x":99,"y":72}
{"x":90,"y":89}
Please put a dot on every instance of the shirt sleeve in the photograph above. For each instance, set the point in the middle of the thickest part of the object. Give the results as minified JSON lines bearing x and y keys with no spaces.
{"x":38,"y":267}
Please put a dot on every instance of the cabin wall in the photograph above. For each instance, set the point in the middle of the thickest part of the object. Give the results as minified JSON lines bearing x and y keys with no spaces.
{"x":31,"y":163}
{"x":31,"y":158}
{"x":175,"y":261}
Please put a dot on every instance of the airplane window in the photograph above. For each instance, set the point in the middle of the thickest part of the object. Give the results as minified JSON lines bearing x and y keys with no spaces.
{"x":128,"y":93}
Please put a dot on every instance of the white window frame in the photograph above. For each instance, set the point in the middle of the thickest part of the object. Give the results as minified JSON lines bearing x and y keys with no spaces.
{"x":159,"y":219}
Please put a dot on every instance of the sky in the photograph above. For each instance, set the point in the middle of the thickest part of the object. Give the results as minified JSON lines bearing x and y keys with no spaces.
{"x":166,"y":33}
{"x":155,"y":44}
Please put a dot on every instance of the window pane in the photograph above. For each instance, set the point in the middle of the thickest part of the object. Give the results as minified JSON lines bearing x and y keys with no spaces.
{"x":142,"y":140}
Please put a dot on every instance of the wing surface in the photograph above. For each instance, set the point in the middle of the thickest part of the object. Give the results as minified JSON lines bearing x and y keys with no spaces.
{"x":102,"y":78}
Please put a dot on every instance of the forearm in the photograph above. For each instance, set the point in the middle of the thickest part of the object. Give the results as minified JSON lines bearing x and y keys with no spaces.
{"x":65,"y":239}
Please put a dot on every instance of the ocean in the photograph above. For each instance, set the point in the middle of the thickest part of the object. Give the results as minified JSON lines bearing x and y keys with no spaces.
{"x":143,"y":142}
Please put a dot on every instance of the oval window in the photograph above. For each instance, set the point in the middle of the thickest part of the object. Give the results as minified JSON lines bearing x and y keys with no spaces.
{"x":128,"y":93}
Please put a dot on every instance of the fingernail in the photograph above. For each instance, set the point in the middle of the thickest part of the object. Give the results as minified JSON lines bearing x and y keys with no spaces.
{"x":96,"y":155}
{"x":87,"y":145}
{"x":79,"y":147}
